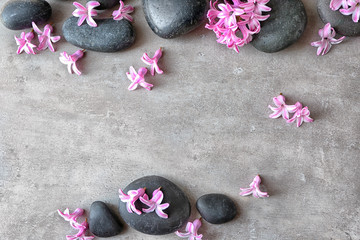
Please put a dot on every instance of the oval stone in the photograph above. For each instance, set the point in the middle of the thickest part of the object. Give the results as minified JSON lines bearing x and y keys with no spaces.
{"x":216,"y":208}
{"x":105,"y":4}
{"x":19,"y":14}
{"x":150,"y":223}
{"x":284,"y":27}
{"x":343,"y":24}
{"x":102,"y":221}
{"x":172,"y":18}
{"x":108,"y":36}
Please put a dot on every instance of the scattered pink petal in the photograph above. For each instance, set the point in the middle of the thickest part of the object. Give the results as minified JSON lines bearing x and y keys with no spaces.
{"x":191,"y":231}
{"x":281,"y":108}
{"x":45,"y":38}
{"x":70,"y":60}
{"x":327,"y":35}
{"x":354,"y":10}
{"x":138,"y":79}
{"x":254,"y":189}
{"x":24,"y":43}
{"x":336,"y":4}
{"x":86,"y":13}
{"x":301,"y":115}
{"x":154,"y":203}
{"x":81,"y":227}
{"x":130,"y":198}
{"x":123,"y":12}
{"x":153,"y":62}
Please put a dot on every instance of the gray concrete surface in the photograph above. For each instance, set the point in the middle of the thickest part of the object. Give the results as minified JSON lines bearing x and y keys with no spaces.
{"x":67,"y":141}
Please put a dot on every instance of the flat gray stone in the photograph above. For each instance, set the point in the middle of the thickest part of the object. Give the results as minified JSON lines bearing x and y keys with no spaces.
{"x":172,"y":18}
{"x":150,"y":223}
{"x":283,"y":28}
{"x":105,"y":4}
{"x":342,"y":24}
{"x":108,"y":36}
{"x":19,"y":14}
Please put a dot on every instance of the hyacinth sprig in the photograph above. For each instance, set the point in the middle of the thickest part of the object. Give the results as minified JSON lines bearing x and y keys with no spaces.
{"x":281,"y":108}
{"x":347,"y":7}
{"x":70,"y":60}
{"x":123,"y":12}
{"x":327,"y":34}
{"x":153,"y":62}
{"x":301,"y":115}
{"x":81,"y":227}
{"x":86,"y":12}
{"x":45,"y":38}
{"x":154,"y":203}
{"x":254,"y":189}
{"x":138,"y":78}
{"x":130,"y":198}
{"x":24,"y":43}
{"x":191,"y":231}
{"x":234,"y":24}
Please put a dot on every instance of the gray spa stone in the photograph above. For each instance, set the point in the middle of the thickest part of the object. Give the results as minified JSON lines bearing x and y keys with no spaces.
{"x":105,"y":4}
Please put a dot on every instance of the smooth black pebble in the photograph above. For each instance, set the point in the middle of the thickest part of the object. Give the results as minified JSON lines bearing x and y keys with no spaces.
{"x":19,"y":14}
{"x":105,"y":4}
{"x":150,"y":223}
{"x":172,"y":18}
{"x":343,"y":24}
{"x":216,"y":208}
{"x":284,"y":27}
{"x":108,"y":36}
{"x":102,"y":222}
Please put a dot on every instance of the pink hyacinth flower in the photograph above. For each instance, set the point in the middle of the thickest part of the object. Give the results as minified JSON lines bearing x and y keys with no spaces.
{"x":153,"y":62}
{"x":354,"y":10}
{"x":254,"y":189}
{"x":281,"y":108}
{"x":301,"y":115}
{"x":45,"y":38}
{"x":86,"y":13}
{"x":138,"y":79}
{"x":130,"y":198}
{"x":154,"y":203}
{"x":191,"y":231}
{"x":336,"y":4}
{"x":229,"y":14}
{"x":70,"y":60}
{"x":24,"y":43}
{"x":327,"y":35}
{"x":260,"y":6}
{"x":123,"y":12}
{"x":81,"y":227}
{"x":71,"y":217}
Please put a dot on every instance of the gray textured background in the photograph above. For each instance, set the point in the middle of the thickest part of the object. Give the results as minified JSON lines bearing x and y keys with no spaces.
{"x":67,"y":141}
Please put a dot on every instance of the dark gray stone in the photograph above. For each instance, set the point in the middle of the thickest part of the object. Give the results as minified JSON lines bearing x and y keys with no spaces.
{"x":216,"y":208}
{"x":108,"y":36}
{"x":172,"y":18}
{"x":102,"y":221}
{"x":19,"y":14}
{"x":150,"y":223}
{"x":284,"y":27}
{"x":105,"y":4}
{"x":343,"y":25}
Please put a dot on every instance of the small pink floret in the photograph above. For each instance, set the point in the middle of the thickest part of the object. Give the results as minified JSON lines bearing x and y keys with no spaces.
{"x":45,"y":38}
{"x":123,"y":12}
{"x":70,"y":60}
{"x":86,"y":13}
{"x":191,"y":231}
{"x":327,"y":35}
{"x":24,"y":43}
{"x":153,"y":62}
{"x":138,"y":79}
{"x":130,"y":198}
{"x":354,"y":10}
{"x":281,"y":108}
{"x":301,"y":115}
{"x":254,"y":189}
{"x":81,"y":227}
{"x":154,"y":203}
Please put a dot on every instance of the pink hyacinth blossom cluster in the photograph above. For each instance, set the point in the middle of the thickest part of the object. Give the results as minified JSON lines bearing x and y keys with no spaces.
{"x":254,"y":189}
{"x":154,"y":204}
{"x":81,"y":227}
{"x":347,"y":7}
{"x":191,"y":231}
{"x":123,"y":12}
{"x":281,"y":109}
{"x":46,"y":40}
{"x":70,"y":60}
{"x":327,"y":34}
{"x":235,"y":24}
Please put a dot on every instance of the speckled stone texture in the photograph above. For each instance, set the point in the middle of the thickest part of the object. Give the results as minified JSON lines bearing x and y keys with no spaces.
{"x":108,"y":36}
{"x":68,"y":140}
{"x":172,"y":18}
{"x":343,"y":24}
{"x":284,"y":27}
{"x":19,"y":14}
{"x":105,"y":4}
